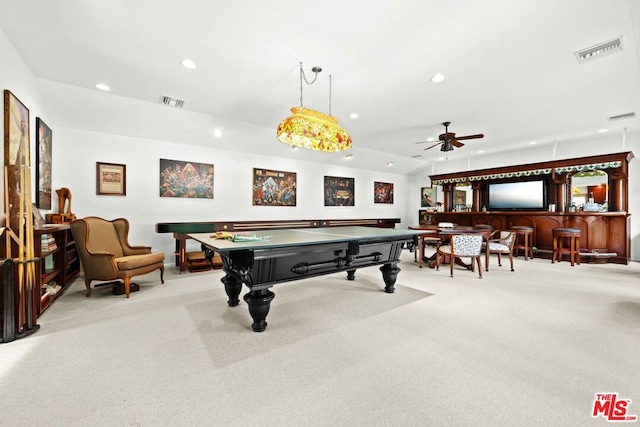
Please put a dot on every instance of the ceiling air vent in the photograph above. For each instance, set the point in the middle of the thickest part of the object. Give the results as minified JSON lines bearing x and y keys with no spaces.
{"x":172,"y":102}
{"x":622,"y":116}
{"x":417,"y":156}
{"x":599,"y":50}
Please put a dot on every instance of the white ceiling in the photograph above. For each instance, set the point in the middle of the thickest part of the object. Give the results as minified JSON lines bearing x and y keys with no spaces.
{"x":510,"y":68}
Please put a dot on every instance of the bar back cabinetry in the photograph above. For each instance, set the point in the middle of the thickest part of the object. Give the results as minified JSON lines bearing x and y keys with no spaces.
{"x":601,"y":232}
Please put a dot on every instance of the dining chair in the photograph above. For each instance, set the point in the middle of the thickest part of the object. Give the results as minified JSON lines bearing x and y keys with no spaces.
{"x":501,"y":246}
{"x":462,"y":246}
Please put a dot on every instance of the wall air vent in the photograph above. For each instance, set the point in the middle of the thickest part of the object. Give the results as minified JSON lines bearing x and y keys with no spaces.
{"x":622,"y":116}
{"x":172,"y":102}
{"x":599,"y":50}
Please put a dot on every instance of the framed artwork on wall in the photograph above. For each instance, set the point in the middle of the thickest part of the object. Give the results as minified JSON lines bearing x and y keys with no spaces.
{"x":111,"y":179}
{"x":383,"y":192}
{"x":459,"y":197}
{"x":43,"y":162}
{"x":187,"y":180}
{"x":428,"y":197}
{"x":339,"y":191}
{"x":16,"y":131}
{"x":274,"y":188}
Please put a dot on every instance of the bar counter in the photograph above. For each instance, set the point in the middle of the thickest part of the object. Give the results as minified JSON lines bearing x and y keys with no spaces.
{"x":603,"y":234}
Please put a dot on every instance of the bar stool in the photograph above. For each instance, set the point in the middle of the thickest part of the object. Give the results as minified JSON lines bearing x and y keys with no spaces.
{"x":526,"y":242}
{"x":561,"y":234}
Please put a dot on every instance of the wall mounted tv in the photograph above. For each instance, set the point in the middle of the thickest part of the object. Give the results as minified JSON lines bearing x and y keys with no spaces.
{"x":522,"y":196}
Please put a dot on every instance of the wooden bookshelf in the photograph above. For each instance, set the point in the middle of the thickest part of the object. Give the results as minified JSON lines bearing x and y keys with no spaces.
{"x":58,"y":262}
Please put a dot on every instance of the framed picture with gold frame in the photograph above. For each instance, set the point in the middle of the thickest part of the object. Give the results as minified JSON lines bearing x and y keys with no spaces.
{"x":111,"y":179}
{"x":16,"y":131}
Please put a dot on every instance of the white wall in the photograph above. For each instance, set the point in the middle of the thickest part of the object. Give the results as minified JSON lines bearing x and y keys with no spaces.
{"x":75,"y":153}
{"x":16,"y":77}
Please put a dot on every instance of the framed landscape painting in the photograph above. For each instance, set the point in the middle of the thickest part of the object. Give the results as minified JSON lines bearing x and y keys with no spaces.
{"x":383,"y":192}
{"x":274,"y":188}
{"x":339,"y":191}
{"x":43,"y":162}
{"x":187,"y":180}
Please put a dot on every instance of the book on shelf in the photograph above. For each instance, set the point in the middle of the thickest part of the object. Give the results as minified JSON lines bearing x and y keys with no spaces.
{"x":44,"y":297}
{"x":51,"y":288}
{"x":48,"y":243}
{"x":48,"y":265}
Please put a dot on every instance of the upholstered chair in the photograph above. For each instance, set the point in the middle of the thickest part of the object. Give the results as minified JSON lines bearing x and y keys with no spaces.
{"x":501,"y":246}
{"x":106,"y":255}
{"x":462,"y":246}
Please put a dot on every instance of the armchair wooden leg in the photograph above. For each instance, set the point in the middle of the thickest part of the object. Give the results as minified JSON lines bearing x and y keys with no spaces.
{"x":511,"y":261}
{"x":87,"y":283}
{"x":127,"y":286}
{"x":162,"y":275}
{"x":479,"y":266}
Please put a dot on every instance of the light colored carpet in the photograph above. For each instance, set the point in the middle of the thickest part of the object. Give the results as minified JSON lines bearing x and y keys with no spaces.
{"x":528,"y":348}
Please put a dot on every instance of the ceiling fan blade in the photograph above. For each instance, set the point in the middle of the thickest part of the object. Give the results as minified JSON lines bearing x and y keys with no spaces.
{"x":456,"y":143}
{"x":479,"y":135}
{"x":434,"y":145}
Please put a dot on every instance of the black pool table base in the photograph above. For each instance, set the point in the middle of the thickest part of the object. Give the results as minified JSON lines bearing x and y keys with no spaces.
{"x":259,"y":300}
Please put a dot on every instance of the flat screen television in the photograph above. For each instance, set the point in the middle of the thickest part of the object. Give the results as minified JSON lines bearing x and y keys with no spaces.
{"x":521,"y":196}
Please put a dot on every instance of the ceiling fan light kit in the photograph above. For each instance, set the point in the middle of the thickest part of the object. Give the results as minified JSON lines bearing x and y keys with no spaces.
{"x":311,"y":129}
{"x":448,"y":140}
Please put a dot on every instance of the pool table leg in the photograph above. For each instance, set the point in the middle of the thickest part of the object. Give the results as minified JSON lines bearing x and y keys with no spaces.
{"x":351,"y":275}
{"x":389,"y":274}
{"x":232,"y":287}
{"x":259,"y":302}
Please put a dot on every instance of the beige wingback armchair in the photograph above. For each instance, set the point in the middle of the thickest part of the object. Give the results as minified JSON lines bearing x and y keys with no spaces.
{"x":105,"y":253}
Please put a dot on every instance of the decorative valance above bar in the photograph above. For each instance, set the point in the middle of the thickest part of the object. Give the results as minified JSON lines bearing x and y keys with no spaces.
{"x":581,"y":164}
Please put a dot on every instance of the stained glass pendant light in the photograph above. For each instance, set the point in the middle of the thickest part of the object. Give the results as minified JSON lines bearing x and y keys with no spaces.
{"x":312,"y":129}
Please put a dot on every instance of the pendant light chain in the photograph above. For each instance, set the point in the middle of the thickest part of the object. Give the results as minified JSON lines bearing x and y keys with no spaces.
{"x":316,"y":70}
{"x":330,"y":87}
{"x":301,"y":74}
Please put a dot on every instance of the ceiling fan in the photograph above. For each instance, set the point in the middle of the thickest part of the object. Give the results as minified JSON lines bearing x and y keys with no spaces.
{"x":448,"y":140}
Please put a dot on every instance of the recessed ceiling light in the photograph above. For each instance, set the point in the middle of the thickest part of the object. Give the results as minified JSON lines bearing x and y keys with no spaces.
{"x":389,"y":163}
{"x":353,"y":116}
{"x":603,"y":130}
{"x":480,"y":151}
{"x":187,"y":63}
{"x":103,"y":87}
{"x":533,"y":142}
{"x":437,"y":78}
{"x":431,"y":139}
{"x":348,"y":156}
{"x":217,"y":132}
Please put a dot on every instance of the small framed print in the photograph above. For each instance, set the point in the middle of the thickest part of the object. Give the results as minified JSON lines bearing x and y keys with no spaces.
{"x":111,"y":179}
{"x":428,"y":197}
